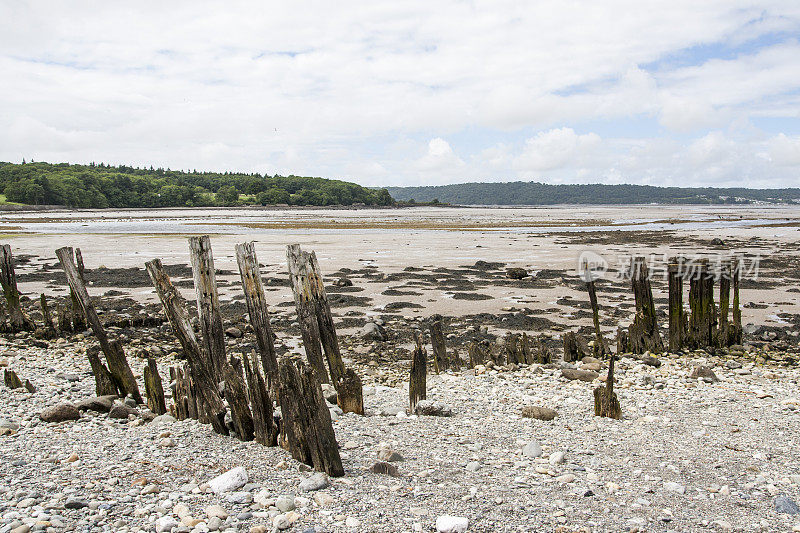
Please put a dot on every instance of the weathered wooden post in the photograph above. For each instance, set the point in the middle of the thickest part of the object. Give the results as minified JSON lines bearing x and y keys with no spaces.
{"x":313,"y":307}
{"x":257,"y":311}
{"x":605,"y":399}
{"x":736,"y":327}
{"x":600,"y":348}
{"x":209,"y":400}
{"x":17,"y":319}
{"x":11,"y":379}
{"x":440,"y":360}
{"x":264,"y":430}
{"x":236,"y":394}
{"x":184,"y":400}
{"x":115,"y":355}
{"x":623,"y":342}
{"x":643,"y":332}
{"x":575,"y":347}
{"x":49,"y":329}
{"x":104,"y":382}
{"x":476,"y":355}
{"x":526,"y":356}
{"x":677,"y":316}
{"x":418,"y":380}
{"x":702,"y":321}
{"x":306,"y":422}
{"x":78,"y":320}
{"x":153,"y":388}
{"x":205,"y":284}
{"x":723,"y":327}
{"x":541,"y":353}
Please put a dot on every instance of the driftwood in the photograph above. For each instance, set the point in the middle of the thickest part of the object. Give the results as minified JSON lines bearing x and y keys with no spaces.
{"x":236,"y":395}
{"x":600,"y":348}
{"x":702,"y":321}
{"x":677,"y":316}
{"x":605,"y":399}
{"x":643,"y":332}
{"x":153,"y":388}
{"x":258,"y":312}
{"x":17,"y":319}
{"x":209,"y":403}
{"x":205,"y":284}
{"x":264,"y":430}
{"x":575,"y":347}
{"x":306,"y":427}
{"x":115,"y":355}
{"x":418,"y":380}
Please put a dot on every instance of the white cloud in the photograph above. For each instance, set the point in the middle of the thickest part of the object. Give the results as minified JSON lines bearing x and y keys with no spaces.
{"x":349,"y":91}
{"x":555,"y":149}
{"x":785,"y":150}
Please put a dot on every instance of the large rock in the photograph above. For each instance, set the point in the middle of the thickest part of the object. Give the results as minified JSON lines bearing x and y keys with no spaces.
{"x":373,"y":332}
{"x":121,"y":411}
{"x":229,"y":481}
{"x":539,"y":413}
{"x":451,"y":524}
{"x":60,"y":413}
{"x":704,"y":373}
{"x":516,"y":273}
{"x":532,"y":450}
{"x":101,"y":404}
{"x":317,"y":481}
{"x":234,"y":332}
{"x":582,"y":375}
{"x":431,"y":408}
{"x":785,"y":505}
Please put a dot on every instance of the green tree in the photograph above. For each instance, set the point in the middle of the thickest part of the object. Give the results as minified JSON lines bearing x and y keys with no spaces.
{"x":227,"y":195}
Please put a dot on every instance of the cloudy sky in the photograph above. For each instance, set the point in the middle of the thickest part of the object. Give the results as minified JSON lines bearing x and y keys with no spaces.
{"x":406,"y":93}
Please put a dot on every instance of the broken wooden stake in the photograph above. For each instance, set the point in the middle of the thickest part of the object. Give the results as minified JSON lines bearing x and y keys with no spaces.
{"x":257,"y":311}
{"x":18,"y":320}
{"x":153,"y":388}
{"x":643,"y":332}
{"x":605,"y":399}
{"x":115,"y":355}
{"x":418,"y":380}
{"x":11,"y":379}
{"x":264,"y":430}
{"x":306,"y":426}
{"x":184,"y":400}
{"x":49,"y":329}
{"x":677,"y":315}
{"x":205,"y":284}
{"x":441,"y":361}
{"x":104,"y":382}
{"x":575,"y":347}
{"x":236,"y":396}
{"x":209,"y":402}
{"x":476,"y":354}
{"x":702,"y":320}
{"x":600,"y":349}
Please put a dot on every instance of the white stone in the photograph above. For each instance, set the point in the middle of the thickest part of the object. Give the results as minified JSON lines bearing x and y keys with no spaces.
{"x":533,"y":450}
{"x":556,"y":458}
{"x":451,"y":524}
{"x":229,"y":481}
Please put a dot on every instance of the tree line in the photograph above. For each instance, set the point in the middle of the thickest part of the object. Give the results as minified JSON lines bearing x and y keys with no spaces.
{"x":534,"y":193}
{"x":102,"y":186}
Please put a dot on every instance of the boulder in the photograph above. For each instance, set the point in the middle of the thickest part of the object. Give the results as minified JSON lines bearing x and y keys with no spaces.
{"x":539,"y":413}
{"x":101,"y":404}
{"x":516,"y":273}
{"x":60,"y":413}
{"x":373,"y":332}
{"x":582,"y":375}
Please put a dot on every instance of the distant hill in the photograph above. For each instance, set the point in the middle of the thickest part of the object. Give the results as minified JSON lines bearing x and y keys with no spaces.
{"x":534,"y":193}
{"x":101,"y":186}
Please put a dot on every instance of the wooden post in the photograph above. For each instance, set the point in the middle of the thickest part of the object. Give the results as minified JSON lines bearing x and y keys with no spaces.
{"x":541,"y":353}
{"x":476,"y":355}
{"x":209,"y":400}
{"x":600,"y":348}
{"x":17,"y":319}
{"x":78,"y":320}
{"x":306,"y":422}
{"x":677,"y":316}
{"x":723,"y":333}
{"x":511,"y":348}
{"x":49,"y":328}
{"x":702,"y":321}
{"x":623,"y":343}
{"x":605,"y":399}
{"x":264,"y":430}
{"x":643,"y":333}
{"x":205,"y":284}
{"x":236,"y":395}
{"x":104,"y":382}
{"x":440,"y":360}
{"x":184,"y":401}
{"x":736,"y":327}
{"x":257,"y":311}
{"x":115,"y":355}
{"x":153,"y":388}
{"x":298,"y":263}
{"x":575,"y":347}
{"x":526,"y":356}
{"x":418,"y":380}
{"x":11,"y":379}
{"x":310,"y":297}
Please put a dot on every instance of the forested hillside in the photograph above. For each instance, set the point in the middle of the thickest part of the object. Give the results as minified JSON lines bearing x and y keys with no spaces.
{"x":101,"y":186}
{"x":533,"y":193}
